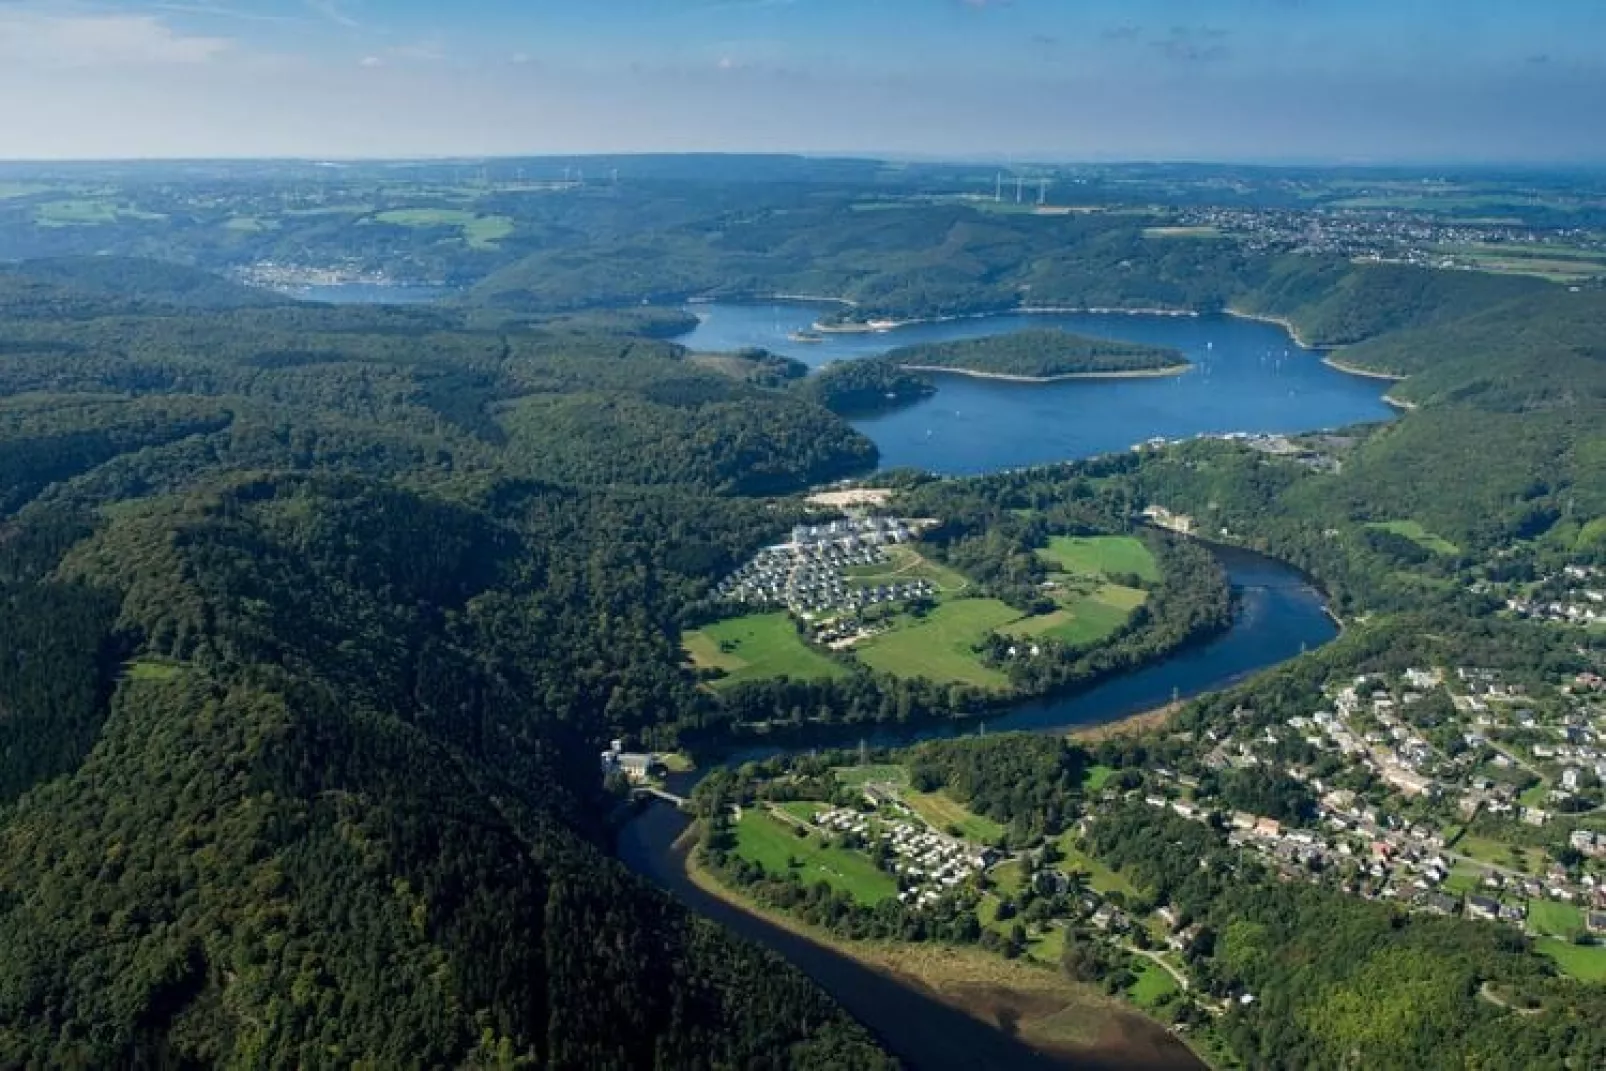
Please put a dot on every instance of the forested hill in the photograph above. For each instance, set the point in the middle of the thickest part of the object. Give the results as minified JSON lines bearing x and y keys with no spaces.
{"x":138,"y":282}
{"x":1039,"y":354}
{"x":305,"y":675}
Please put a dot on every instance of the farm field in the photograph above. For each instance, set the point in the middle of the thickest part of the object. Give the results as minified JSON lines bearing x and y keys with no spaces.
{"x":772,"y":844}
{"x":1084,"y":618}
{"x":757,"y":647}
{"x":480,"y":232}
{"x":1102,"y":556}
{"x":939,"y":646}
{"x":87,"y":213}
{"x":1417,"y":534}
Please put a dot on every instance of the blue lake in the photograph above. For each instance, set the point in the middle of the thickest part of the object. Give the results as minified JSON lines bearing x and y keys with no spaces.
{"x":1247,"y":376}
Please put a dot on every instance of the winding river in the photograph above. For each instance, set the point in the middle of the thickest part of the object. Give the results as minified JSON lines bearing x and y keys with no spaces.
{"x":1248,"y":376}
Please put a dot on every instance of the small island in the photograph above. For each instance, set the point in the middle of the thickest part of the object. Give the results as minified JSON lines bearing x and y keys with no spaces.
{"x":1040,"y":356}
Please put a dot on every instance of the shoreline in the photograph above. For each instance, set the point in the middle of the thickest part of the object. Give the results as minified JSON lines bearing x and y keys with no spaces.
{"x":952,"y":974}
{"x":877,"y":327}
{"x":1365,"y":373}
{"x":1142,"y":722}
{"x":1137,"y":373}
{"x":1281,"y":321}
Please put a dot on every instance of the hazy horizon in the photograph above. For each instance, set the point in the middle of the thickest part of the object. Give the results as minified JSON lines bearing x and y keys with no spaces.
{"x":1368,"y":83}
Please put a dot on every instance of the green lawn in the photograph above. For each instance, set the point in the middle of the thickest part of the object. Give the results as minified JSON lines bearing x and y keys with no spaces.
{"x":1486,"y":850}
{"x":802,"y":810}
{"x":1096,"y":777}
{"x":905,"y":564}
{"x":1554,"y":919}
{"x":1102,"y":556}
{"x":1047,"y":947}
{"x":859,"y":776}
{"x":940,"y":646}
{"x":1536,"y":796}
{"x":772,"y":844}
{"x":1464,"y":878}
{"x":1587,"y":963}
{"x":1154,"y":983}
{"x":1419,"y":535}
{"x":942,"y":811}
{"x":480,"y":232}
{"x":757,"y":647}
{"x":1100,"y":878}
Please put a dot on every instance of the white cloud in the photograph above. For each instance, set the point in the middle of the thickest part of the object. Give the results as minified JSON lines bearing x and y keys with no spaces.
{"x":43,"y":39}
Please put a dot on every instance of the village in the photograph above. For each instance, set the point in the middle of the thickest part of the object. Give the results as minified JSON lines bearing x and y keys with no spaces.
{"x":1487,"y":805}
{"x":812,"y":575}
{"x":1574,"y":596}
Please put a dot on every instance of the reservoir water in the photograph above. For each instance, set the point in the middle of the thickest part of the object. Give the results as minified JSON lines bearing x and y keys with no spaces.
{"x":1246,"y":376}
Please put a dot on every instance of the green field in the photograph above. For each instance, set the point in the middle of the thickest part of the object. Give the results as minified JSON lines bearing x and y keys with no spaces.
{"x":940,"y":646}
{"x":1419,"y":535}
{"x":1084,"y":618}
{"x":1154,"y":983}
{"x":1498,"y":852}
{"x":905,"y":564}
{"x":1587,"y":963}
{"x":942,"y":811}
{"x":757,"y":647}
{"x":151,"y":669}
{"x":1102,"y":556}
{"x":772,"y":844}
{"x":1554,"y":919}
{"x":802,"y":810}
{"x":1181,"y":232}
{"x":1100,"y":878}
{"x":87,"y":213}
{"x":480,"y":232}
{"x":1464,"y":878}
{"x":250,"y":225}
{"x":1096,"y":777}
{"x":859,"y":776}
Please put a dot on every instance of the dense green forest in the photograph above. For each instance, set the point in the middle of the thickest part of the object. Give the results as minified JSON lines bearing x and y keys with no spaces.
{"x":305,"y":674}
{"x":1041,"y":354}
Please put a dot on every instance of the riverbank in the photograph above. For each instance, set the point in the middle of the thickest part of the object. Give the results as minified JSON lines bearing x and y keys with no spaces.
{"x":1132,"y":725}
{"x":1065,"y":1021}
{"x":1137,"y":373}
{"x":1281,"y":321}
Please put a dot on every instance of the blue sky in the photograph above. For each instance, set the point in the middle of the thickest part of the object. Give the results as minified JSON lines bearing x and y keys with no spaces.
{"x":1275,"y":80}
